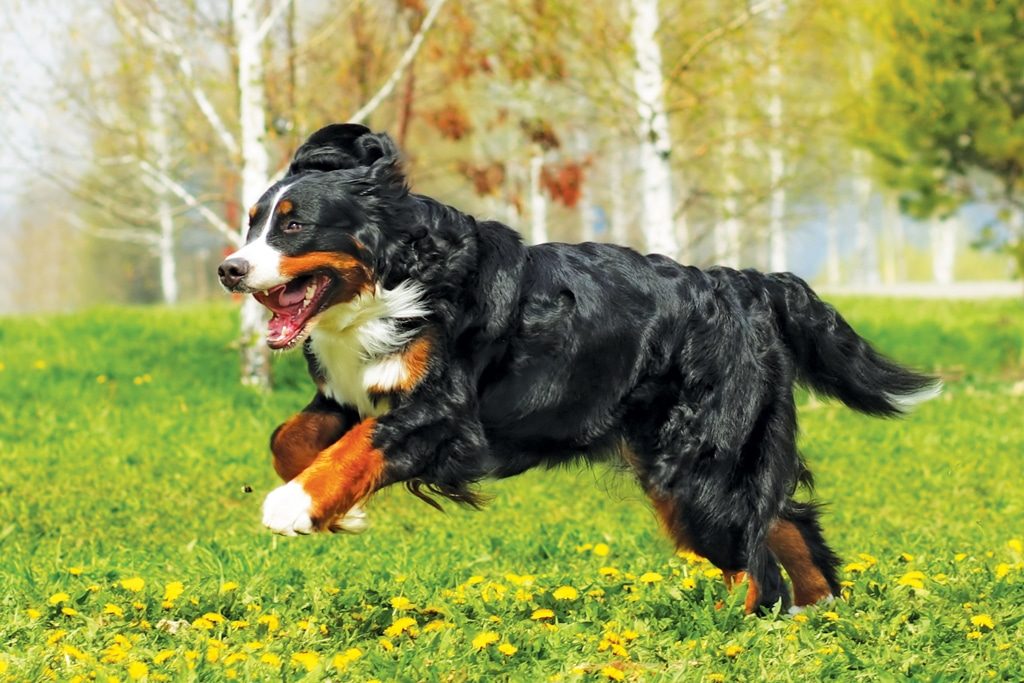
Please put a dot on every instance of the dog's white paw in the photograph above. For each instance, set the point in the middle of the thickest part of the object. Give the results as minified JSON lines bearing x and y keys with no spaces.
{"x":354,"y":521}
{"x":286,"y":510}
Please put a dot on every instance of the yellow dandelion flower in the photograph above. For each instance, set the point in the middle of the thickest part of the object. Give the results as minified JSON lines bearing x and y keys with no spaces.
{"x":608,"y":571}
{"x":855,"y":567}
{"x":307,"y":660}
{"x":101,"y":379}
{"x":139,"y":605}
{"x":253,"y":645}
{"x":523,"y":595}
{"x":584,"y":548}
{"x":983,"y":621}
{"x":712,"y":573}
{"x":1002,"y":569}
{"x":960,"y":557}
{"x":484,"y":639}
{"x":1003,"y":647}
{"x":58,"y":598}
{"x":400,"y":626}
{"x":912,"y":579}
{"x":93,"y":588}
{"x":402,"y":603}
{"x":800,"y":618}
{"x":732,"y":650}
{"x":350,"y":655}
{"x":74,"y":652}
{"x":228,"y":586}
{"x":69,"y":611}
{"x":173,"y":591}
{"x":831,"y":616}
{"x":601,"y":549}
{"x":386,"y":645}
{"x":214,"y":617}
{"x":134,"y":584}
{"x":613,"y":673}
{"x":271,"y":659}
{"x":520,"y":579}
{"x":234,"y":658}
{"x":565,"y":593}
{"x":203,"y":624}
{"x":56,"y":636}
{"x":162,"y":656}
{"x":650,"y":577}
{"x":137,"y":671}
{"x":508,"y":649}
{"x":76,"y":571}
{"x":33,"y":613}
{"x":715,"y":678}
{"x":542,"y":613}
{"x":270,"y":621}
{"x":1016,"y":545}
{"x":973,"y":635}
{"x":688,"y":583}
{"x":906,"y":557}
{"x":474,"y":580}
{"x":39,"y":364}
{"x":113,"y":609}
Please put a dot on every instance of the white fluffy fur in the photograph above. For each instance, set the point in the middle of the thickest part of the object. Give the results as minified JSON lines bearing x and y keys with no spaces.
{"x":264,"y":260}
{"x":356,"y":343}
{"x":286,"y":510}
{"x":907,"y":402}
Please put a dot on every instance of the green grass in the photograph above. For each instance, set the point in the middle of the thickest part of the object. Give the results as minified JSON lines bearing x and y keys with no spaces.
{"x":125,"y":447}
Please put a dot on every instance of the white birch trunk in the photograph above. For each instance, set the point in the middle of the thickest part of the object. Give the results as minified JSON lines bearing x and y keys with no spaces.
{"x":585,"y":207}
{"x":660,"y":230}
{"x":619,"y":192}
{"x":865,"y":237}
{"x":538,"y":203}
{"x":943,"y":234}
{"x":832,"y":272}
{"x":255,"y":171}
{"x":728,"y":232}
{"x":777,"y":260}
{"x":892,"y":243}
{"x":160,"y":145}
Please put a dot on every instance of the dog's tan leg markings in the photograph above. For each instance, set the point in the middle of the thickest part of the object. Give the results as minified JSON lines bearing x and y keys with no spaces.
{"x":337,"y":479}
{"x":789,"y":546}
{"x":298,"y":441}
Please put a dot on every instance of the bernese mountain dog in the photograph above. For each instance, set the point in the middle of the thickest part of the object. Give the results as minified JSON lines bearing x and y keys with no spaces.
{"x":444,"y":351}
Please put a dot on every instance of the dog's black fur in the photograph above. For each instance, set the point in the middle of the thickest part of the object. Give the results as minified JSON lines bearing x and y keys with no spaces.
{"x":542,"y":355}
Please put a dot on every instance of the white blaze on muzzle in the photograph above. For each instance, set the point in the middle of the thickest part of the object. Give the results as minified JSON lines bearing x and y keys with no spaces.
{"x":264,"y":260}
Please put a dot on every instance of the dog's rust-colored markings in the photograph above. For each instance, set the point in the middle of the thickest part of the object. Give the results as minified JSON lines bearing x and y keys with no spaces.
{"x":284,"y":207}
{"x":252,"y":210}
{"x":415,"y":360}
{"x":298,"y":441}
{"x":789,"y":546}
{"x":343,"y":474}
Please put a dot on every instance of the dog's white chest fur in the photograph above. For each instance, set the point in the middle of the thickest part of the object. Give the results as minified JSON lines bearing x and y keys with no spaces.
{"x":357,"y":345}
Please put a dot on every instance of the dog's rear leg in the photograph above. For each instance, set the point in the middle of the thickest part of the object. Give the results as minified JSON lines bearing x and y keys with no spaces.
{"x":797,"y":541}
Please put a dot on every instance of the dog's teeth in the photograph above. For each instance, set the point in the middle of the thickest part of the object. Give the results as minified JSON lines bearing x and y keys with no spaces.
{"x":266,"y":293}
{"x":310,"y":291}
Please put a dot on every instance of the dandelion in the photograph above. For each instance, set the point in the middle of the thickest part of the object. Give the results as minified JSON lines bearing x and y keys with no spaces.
{"x":912,"y":579}
{"x":855,"y":567}
{"x":76,"y":571}
{"x":906,"y":557}
{"x":520,"y":579}
{"x":307,"y":660}
{"x":650,"y":577}
{"x":74,"y":652}
{"x":474,"y":580}
{"x":565,"y":593}
{"x":983,"y":621}
{"x":712,"y":573}
{"x":608,"y":571}
{"x":162,"y":656}
{"x":203,"y":624}
{"x":613,"y":673}
{"x":508,"y":649}
{"x":69,"y":611}
{"x":484,"y":639}
{"x":973,"y":635}
{"x":101,"y":379}
{"x":33,"y":613}
{"x":234,"y":658}
{"x":732,"y":651}
{"x":173,"y":591}
{"x":56,"y":636}
{"x":113,"y":609}
{"x":601,"y":550}
{"x":134,"y":584}
{"x":400,"y":626}
{"x":228,"y":586}
{"x":688,"y":583}
{"x":542,"y":613}
{"x":831,"y":616}
{"x":1016,"y":545}
{"x":58,"y":598}
{"x":715,"y":678}
{"x":270,"y":621}
{"x":341,"y":661}
{"x":214,"y":617}
{"x":960,"y":557}
{"x":800,"y":618}
{"x":239,"y":623}
{"x":435,"y":625}
{"x":1002,"y":569}
{"x":271,"y":659}
{"x":386,"y":645}
{"x":39,"y":364}
{"x":137,"y":671}
{"x":402,"y":603}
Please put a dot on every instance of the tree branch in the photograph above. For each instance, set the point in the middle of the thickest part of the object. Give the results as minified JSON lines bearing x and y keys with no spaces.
{"x":268,"y":22}
{"x":164,"y":42}
{"x":190,"y":200}
{"x":133,"y":235}
{"x":710,"y":37}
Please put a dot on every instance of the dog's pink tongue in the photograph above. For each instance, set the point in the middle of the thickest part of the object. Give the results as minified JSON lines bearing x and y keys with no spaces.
{"x":294,"y":293}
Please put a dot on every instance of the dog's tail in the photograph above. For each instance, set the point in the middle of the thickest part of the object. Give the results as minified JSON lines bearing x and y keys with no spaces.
{"x":835,"y":361}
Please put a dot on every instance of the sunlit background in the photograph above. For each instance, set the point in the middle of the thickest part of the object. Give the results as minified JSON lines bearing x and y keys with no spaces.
{"x":866,"y":146}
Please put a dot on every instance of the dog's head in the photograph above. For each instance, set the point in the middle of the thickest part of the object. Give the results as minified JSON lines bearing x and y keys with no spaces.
{"x":316,"y":238}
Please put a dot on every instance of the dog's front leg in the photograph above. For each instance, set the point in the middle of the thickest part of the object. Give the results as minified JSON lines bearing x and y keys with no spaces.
{"x":296,"y":443}
{"x":326,"y":494}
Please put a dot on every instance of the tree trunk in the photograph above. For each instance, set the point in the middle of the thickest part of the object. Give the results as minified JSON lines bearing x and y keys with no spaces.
{"x":728,"y":232}
{"x":255,"y":171}
{"x":943,"y":234}
{"x":832,"y":272}
{"x":865,"y":237}
{"x":538,"y":204}
{"x":777,"y":168}
{"x":892,"y":243}
{"x":619,"y":193}
{"x":161,"y":151}
{"x":585,"y":207}
{"x":659,"y":227}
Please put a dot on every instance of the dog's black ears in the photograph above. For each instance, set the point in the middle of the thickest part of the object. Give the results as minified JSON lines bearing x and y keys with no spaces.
{"x":346,"y":145}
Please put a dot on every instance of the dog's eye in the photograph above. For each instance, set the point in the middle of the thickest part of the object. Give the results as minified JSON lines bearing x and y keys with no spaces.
{"x":292,"y":226}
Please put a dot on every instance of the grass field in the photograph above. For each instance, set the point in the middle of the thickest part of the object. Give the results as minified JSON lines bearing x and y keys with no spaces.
{"x":129,"y":549}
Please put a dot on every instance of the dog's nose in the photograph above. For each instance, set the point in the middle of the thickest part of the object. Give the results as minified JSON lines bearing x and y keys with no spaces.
{"x":232,"y":271}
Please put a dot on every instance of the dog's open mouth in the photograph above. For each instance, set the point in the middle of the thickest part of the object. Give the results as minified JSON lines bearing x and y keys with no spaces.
{"x":293,"y":305}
